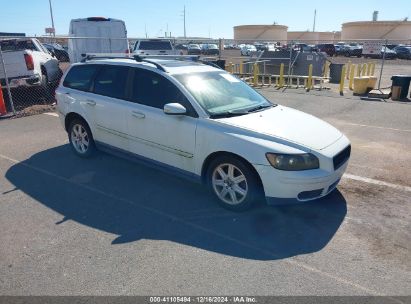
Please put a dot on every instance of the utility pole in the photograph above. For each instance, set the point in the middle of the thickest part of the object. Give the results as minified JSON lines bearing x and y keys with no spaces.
{"x":315,"y":15}
{"x":52,"y":19}
{"x":185,"y":34}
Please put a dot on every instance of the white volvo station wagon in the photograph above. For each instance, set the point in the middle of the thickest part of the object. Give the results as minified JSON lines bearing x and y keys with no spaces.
{"x":203,"y":123}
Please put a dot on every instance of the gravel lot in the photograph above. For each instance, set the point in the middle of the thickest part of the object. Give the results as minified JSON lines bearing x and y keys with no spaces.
{"x":106,"y":226}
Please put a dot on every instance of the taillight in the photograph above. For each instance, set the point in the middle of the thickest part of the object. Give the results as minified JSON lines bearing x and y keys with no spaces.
{"x":29,"y":62}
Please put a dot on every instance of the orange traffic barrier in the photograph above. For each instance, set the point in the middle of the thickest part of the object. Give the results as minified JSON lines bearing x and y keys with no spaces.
{"x":3,"y":110}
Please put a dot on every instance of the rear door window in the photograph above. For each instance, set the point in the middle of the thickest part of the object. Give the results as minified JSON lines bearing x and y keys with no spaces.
{"x":111,"y":81}
{"x":80,"y":77}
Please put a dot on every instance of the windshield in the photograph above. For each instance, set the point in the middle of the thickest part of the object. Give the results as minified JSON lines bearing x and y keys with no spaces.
{"x":222,"y":93}
{"x":155,"y":45}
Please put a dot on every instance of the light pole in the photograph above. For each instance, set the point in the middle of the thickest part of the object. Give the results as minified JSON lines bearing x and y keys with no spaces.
{"x":52,"y":19}
{"x":185,"y":36}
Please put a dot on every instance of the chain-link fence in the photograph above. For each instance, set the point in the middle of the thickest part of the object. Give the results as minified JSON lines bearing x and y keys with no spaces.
{"x":31,"y":67}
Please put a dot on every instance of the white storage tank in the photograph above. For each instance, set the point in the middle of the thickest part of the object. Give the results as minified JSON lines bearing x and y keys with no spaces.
{"x":399,"y":31}
{"x":261,"y":32}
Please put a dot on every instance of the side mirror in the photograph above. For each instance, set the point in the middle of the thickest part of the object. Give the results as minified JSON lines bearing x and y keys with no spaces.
{"x":174,"y":109}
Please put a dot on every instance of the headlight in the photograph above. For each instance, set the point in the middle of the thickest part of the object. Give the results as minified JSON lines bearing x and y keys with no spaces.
{"x":293,"y":162}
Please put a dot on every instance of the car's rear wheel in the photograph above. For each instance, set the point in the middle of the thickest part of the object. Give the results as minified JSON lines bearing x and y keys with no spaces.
{"x":81,"y":139}
{"x":233,"y":183}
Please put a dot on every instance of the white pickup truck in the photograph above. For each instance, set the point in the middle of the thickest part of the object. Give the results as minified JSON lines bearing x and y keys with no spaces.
{"x":28,"y":64}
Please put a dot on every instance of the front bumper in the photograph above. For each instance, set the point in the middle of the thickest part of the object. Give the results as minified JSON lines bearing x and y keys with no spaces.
{"x":279,"y":190}
{"x":299,"y":186}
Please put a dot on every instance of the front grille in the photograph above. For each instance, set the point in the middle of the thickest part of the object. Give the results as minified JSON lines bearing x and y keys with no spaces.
{"x":310,"y":194}
{"x":342,"y":157}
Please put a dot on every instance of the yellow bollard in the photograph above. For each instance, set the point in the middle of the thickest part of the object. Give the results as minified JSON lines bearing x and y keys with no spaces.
{"x":255,"y":82}
{"x":368,"y":68}
{"x":372,"y":69}
{"x":269,"y":80}
{"x":241,"y":68}
{"x":310,"y":77}
{"x":350,"y":85}
{"x":281,"y":81}
{"x":349,"y":69}
{"x":342,"y":81}
{"x":359,"y":70}
{"x":364,"y":69}
{"x":229,"y":67}
{"x":326,"y":69}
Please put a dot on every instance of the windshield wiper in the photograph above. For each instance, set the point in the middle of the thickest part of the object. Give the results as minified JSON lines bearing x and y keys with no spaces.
{"x":233,"y":113}
{"x":259,"y":108}
{"x":227,"y":114}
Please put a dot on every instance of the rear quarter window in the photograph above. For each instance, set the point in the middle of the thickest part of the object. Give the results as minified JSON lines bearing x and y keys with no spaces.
{"x":80,"y":77}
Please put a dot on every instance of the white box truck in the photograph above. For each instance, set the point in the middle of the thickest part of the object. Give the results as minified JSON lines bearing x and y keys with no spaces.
{"x":96,"y":35}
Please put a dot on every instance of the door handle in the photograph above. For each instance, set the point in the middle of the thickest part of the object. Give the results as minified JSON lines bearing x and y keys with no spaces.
{"x":90,"y":102}
{"x":138,"y":114}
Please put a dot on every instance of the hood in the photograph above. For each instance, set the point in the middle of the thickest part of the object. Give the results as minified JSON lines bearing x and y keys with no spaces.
{"x":290,"y":125}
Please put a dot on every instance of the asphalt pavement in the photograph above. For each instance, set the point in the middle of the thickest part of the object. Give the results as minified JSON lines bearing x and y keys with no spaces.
{"x":105,"y":226}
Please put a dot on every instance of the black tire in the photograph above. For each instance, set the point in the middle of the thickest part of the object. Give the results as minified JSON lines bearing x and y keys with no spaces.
{"x":46,"y":87}
{"x":254,"y":187}
{"x":91,"y":148}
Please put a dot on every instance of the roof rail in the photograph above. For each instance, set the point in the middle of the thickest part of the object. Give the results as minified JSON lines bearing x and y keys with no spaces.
{"x":157,"y":65}
{"x":109,"y":56}
{"x":146,"y":58}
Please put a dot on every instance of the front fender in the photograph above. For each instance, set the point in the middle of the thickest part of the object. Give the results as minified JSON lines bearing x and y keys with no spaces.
{"x":214,"y":137}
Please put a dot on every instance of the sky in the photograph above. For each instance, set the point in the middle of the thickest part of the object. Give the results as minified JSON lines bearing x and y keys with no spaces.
{"x":211,"y":18}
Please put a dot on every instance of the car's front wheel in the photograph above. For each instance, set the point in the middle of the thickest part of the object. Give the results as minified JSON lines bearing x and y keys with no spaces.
{"x":234,"y":183}
{"x":81,"y":139}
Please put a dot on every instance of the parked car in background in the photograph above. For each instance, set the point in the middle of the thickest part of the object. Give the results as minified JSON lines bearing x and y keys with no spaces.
{"x":327,"y":48}
{"x":298,"y":46}
{"x":58,"y":51}
{"x":210,"y":49}
{"x":248,"y":49}
{"x":392,"y":46}
{"x":155,"y":47}
{"x":29,"y":65}
{"x":403,"y":52}
{"x":339,"y":49}
{"x":260,"y":46}
{"x":389,"y":54}
{"x":181,"y":47}
{"x":353,"y":49}
{"x":103,"y":36}
{"x":230,"y":47}
{"x":193,"y":49}
{"x":203,"y":123}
